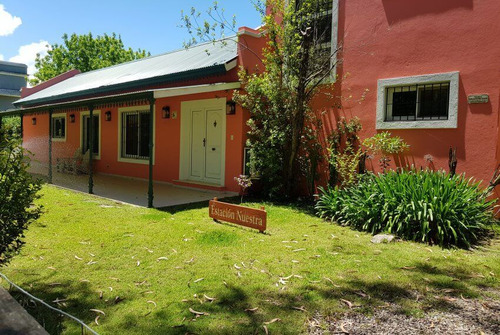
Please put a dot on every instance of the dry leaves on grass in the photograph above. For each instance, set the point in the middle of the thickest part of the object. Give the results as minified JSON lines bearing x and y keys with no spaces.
{"x":208,"y":298}
{"x":272,"y":321}
{"x":252,"y":309}
{"x":197,"y":312}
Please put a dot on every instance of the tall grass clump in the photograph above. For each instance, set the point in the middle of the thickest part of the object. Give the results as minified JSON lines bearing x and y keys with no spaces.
{"x":425,"y":206}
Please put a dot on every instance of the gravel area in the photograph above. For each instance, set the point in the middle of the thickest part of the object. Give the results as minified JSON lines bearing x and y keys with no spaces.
{"x":463,"y":316}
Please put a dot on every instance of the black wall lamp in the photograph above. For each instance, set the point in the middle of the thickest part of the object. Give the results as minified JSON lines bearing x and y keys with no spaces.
{"x":72,"y":118}
{"x":165,"y":112}
{"x":107,"y":116}
{"x":230,"y":107}
{"x":33,"y":121}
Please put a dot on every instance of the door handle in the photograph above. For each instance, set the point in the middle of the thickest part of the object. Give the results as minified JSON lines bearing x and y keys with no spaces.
{"x":204,"y":141}
{"x":213,"y":149}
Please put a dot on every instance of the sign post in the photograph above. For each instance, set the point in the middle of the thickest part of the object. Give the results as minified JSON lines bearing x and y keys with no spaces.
{"x":240,"y":215}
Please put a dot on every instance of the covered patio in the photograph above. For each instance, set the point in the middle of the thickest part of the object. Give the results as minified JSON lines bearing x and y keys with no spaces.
{"x":129,"y":190}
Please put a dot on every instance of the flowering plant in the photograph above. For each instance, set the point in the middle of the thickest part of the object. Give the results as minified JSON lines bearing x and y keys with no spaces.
{"x":244,"y":182}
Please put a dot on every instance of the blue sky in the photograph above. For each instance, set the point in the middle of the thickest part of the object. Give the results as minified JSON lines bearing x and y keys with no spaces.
{"x":27,"y":25}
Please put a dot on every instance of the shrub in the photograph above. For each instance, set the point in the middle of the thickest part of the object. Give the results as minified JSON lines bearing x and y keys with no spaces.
{"x":18,"y":191}
{"x":425,"y":206}
{"x":385,"y":144}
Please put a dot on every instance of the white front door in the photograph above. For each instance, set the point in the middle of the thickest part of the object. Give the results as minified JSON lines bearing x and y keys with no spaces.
{"x":205,"y":121}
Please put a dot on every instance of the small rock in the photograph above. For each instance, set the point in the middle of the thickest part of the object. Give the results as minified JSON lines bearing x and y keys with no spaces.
{"x":382,"y":238}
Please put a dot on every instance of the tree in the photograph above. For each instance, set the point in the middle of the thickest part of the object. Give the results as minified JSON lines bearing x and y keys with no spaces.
{"x":283,"y":127}
{"x":18,"y":191}
{"x":85,"y":53}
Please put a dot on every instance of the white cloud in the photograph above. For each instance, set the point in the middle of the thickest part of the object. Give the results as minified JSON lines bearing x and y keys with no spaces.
{"x":8,"y":23}
{"x":1,"y":57}
{"x":27,"y":55}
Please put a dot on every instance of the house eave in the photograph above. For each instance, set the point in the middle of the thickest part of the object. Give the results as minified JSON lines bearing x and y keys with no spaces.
{"x":134,"y":85}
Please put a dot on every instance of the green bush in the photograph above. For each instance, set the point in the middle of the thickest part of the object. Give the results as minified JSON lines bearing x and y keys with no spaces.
{"x":426,"y":206}
{"x":18,"y":191}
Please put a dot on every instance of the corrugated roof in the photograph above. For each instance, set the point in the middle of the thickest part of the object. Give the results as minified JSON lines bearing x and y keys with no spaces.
{"x":202,"y":59}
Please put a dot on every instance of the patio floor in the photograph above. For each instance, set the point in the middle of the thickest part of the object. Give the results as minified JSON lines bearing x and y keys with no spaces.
{"x":134,"y":191}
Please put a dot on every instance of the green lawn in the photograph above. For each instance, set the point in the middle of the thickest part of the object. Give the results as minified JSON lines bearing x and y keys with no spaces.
{"x":162,"y":263}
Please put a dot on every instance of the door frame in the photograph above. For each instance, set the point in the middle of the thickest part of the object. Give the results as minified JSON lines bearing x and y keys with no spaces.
{"x":185,"y":136}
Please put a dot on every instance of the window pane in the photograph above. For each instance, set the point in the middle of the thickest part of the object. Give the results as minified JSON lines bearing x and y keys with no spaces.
{"x":144,"y":135}
{"x":434,"y":100}
{"x":131,"y":134}
{"x":404,"y":104}
{"x":58,"y":127}
{"x":86,"y":134}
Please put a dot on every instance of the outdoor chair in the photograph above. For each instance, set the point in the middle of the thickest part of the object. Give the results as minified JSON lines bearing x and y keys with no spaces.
{"x":78,"y":164}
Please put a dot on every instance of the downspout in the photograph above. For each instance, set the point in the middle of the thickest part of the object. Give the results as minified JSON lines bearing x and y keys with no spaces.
{"x":151,"y":148}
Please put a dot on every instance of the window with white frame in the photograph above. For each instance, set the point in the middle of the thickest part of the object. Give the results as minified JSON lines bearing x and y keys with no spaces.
{"x":135,"y":135}
{"x":59,"y":127}
{"x":425,"y":101}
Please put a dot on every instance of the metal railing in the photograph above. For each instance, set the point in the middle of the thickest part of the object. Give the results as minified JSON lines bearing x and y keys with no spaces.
{"x":85,"y":329}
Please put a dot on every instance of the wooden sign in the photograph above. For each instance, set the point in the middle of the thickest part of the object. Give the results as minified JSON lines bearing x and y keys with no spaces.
{"x":240,"y":215}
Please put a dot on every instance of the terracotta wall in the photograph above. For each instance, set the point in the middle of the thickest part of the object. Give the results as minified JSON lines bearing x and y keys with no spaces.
{"x":392,"y":38}
{"x":167,"y":141}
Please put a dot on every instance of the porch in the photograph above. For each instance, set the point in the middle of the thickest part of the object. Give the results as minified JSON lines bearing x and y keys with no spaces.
{"x":130,"y":190}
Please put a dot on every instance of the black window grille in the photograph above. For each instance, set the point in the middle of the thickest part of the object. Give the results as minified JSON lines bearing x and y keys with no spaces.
{"x":135,"y":135}
{"x":59,"y":127}
{"x":320,"y":21}
{"x":86,"y":134}
{"x":417,"y":102}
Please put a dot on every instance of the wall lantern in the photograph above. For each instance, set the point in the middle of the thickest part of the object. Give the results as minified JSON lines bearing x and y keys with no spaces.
{"x":107,"y":116}
{"x":166,"y":112}
{"x":230,"y":107}
{"x":72,"y":118}
{"x":33,"y":121}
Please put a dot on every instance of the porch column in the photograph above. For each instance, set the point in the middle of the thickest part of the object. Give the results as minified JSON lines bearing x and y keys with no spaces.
{"x":91,"y":149}
{"x":50,"y":146}
{"x":151,"y":148}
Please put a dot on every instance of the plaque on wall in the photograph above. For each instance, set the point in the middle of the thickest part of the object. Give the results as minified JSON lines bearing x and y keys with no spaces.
{"x":478,"y":99}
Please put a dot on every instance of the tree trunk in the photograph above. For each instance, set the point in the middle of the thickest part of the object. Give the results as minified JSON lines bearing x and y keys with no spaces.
{"x":298,"y":117}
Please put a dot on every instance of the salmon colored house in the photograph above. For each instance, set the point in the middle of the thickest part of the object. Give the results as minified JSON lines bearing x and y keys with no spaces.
{"x":427,"y":71}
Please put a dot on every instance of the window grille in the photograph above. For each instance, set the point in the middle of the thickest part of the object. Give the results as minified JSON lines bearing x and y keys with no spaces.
{"x":59,"y":127}
{"x":417,"y":102}
{"x":135,"y":135}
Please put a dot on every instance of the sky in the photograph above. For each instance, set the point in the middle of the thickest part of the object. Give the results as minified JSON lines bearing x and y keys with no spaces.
{"x":28,"y":26}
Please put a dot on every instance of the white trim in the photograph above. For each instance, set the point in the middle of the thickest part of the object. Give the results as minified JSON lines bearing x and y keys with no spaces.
{"x":249,"y":33}
{"x":185,"y":90}
{"x":452,"y":122}
{"x":185,"y":138}
{"x":132,"y":109}
{"x":231,"y":65}
{"x":59,"y":115}
{"x":97,"y":113}
{"x":335,"y":38}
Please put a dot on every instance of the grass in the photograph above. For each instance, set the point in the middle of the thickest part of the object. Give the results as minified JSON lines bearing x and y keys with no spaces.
{"x":164,"y":262}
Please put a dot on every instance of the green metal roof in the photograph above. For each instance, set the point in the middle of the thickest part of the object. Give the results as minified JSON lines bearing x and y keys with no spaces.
{"x":200,"y":60}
